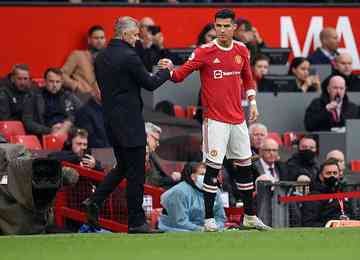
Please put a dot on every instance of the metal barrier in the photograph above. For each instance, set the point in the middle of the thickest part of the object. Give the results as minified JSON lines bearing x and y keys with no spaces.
{"x":279,"y":204}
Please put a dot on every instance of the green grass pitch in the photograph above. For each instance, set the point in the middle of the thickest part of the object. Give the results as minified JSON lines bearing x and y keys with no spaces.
{"x":292,"y":244}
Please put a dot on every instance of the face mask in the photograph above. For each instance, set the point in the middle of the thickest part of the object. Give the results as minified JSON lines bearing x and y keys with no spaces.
{"x":199,"y":181}
{"x":307,"y":155}
{"x":331,"y":182}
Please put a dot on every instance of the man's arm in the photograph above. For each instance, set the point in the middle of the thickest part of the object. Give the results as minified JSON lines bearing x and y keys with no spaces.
{"x":249,"y":85}
{"x":143,"y":77}
{"x":194,"y":62}
{"x":29,"y":118}
{"x":68,"y":69}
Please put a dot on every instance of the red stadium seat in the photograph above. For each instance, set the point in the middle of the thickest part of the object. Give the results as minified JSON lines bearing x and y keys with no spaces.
{"x":179,"y":111}
{"x":29,"y":141}
{"x":53,"y":142}
{"x":276,"y":137}
{"x":40,"y":82}
{"x":11,"y":128}
{"x":289,"y":138}
{"x":355,"y":165}
{"x":190,"y":112}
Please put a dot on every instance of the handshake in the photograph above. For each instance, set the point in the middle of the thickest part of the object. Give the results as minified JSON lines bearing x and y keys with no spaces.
{"x":166,"y":64}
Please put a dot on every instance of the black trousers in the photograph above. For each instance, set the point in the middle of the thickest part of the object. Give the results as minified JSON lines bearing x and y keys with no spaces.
{"x":130,"y":165}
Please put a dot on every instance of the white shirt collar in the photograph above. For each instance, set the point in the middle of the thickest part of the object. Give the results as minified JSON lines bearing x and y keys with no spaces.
{"x":224,"y":48}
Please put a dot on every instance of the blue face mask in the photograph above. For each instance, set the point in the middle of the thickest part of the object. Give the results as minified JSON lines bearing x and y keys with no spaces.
{"x":199,"y":181}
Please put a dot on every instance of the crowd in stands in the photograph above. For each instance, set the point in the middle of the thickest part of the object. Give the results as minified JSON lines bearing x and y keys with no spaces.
{"x":69,"y":104}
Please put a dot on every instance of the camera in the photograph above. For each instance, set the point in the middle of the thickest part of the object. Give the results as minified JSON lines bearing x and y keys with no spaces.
{"x":154,"y":29}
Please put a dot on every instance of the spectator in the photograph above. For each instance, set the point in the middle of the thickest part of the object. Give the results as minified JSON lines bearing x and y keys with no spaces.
{"x":90,"y":117}
{"x":155,"y":175}
{"x":305,"y":82}
{"x":76,"y":151}
{"x":258,"y":132}
{"x":13,"y":93}
{"x":151,"y":47}
{"x":329,"y":48}
{"x":269,"y":167}
{"x":184,"y":206}
{"x":303,"y":165}
{"x":206,"y":35}
{"x":250,"y":36}
{"x":343,"y":67}
{"x":331,"y":109}
{"x":260,"y":68}
{"x":78,"y":69}
{"x":51,"y":109}
{"x":339,"y":156}
{"x":144,"y":33}
{"x":318,"y":213}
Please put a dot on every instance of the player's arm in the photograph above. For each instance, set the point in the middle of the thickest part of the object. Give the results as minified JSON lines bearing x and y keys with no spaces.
{"x":250,"y":88}
{"x":194,"y":62}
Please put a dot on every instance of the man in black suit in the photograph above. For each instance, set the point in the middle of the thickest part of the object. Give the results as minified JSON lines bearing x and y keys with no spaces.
{"x":268,"y":167}
{"x":121,"y":75}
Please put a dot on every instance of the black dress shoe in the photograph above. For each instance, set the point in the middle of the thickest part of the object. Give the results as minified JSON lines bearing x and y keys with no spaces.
{"x":143,"y":229}
{"x":92,"y":213}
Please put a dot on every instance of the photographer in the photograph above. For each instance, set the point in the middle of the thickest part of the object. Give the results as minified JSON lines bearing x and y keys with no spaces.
{"x":76,"y":151}
{"x":318,"y":213}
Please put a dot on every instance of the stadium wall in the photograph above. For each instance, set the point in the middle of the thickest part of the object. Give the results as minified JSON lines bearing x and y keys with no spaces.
{"x":44,"y":35}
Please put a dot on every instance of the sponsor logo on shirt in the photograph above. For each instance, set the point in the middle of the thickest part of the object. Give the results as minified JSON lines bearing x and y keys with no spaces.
{"x":219,"y":74}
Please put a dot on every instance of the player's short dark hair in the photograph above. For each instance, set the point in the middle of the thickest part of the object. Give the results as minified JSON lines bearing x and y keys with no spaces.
{"x":16,"y":67}
{"x":330,"y":161}
{"x":95,"y":28}
{"x":225,"y":14}
{"x":57,"y":71}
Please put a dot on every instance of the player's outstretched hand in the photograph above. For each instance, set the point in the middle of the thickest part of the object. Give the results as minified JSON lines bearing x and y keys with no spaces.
{"x":254,"y":114}
{"x":166,"y":64}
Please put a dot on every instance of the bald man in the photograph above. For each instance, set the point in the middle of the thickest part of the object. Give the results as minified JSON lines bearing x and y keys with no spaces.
{"x":269,"y":168}
{"x":331,"y":109}
{"x":339,"y":156}
{"x":343,"y":67}
{"x":328,"y":50}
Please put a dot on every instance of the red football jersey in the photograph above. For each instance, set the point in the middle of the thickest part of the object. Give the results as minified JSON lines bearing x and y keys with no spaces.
{"x":225,"y":74}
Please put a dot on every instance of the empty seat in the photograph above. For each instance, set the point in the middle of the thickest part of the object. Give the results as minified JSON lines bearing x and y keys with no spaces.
{"x":179,"y":111}
{"x":276,"y":136}
{"x":29,"y":141}
{"x":53,"y":142}
{"x":11,"y":128}
{"x":355,"y":165}
{"x":190,"y":112}
{"x":40,"y":82}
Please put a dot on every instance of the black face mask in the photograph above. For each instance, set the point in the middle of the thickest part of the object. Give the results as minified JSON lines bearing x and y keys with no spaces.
{"x":307,"y":155}
{"x":332,"y":182}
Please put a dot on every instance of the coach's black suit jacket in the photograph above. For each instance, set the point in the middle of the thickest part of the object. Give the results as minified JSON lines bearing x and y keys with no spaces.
{"x":121,"y":75}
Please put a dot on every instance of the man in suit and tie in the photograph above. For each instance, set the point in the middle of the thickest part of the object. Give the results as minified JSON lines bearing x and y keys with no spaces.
{"x":121,"y":75}
{"x":268,"y":167}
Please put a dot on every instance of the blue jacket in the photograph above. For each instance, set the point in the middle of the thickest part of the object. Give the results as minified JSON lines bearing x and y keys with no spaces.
{"x":185,"y":209}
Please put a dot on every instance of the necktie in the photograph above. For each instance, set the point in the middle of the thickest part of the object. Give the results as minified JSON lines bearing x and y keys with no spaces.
{"x":272,"y":172}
